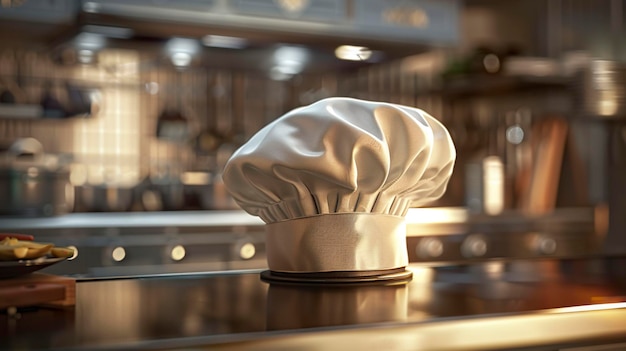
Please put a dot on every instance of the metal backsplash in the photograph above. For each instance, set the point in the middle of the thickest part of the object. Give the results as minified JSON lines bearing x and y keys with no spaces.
{"x":118,"y":144}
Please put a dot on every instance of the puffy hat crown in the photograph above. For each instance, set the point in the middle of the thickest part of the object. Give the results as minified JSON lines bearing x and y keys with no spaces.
{"x":340,"y":156}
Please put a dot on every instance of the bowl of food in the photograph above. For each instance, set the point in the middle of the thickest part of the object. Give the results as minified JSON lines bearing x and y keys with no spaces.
{"x":20,"y":255}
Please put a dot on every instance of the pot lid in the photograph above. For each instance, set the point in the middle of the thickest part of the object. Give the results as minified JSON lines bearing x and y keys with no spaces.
{"x":26,"y":153}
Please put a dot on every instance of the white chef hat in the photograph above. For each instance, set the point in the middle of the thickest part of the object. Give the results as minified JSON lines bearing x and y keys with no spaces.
{"x":333,"y":181}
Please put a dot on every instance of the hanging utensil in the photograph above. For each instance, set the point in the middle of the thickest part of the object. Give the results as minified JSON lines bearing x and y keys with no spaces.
{"x":12,"y":92}
{"x":172,"y":124}
{"x":209,"y":139}
{"x":52,"y":106}
{"x":6,"y":96}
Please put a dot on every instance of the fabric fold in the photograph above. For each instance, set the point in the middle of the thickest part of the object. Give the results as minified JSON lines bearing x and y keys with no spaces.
{"x":342,"y":155}
{"x":333,"y":181}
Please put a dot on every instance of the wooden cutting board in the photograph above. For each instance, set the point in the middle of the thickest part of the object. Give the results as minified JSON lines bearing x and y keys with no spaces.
{"x":38,"y":289}
{"x":540,"y":190}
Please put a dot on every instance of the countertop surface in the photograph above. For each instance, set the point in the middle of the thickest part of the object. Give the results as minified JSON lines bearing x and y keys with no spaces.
{"x":416,"y":217}
{"x":499,"y":304}
{"x":133,"y":219}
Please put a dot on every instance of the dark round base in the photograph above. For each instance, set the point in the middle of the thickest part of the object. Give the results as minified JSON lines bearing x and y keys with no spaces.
{"x":391,"y":277}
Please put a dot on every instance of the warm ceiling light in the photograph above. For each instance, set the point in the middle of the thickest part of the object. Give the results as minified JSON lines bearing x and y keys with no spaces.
{"x":182,"y":50}
{"x":85,"y":56}
{"x":186,"y":45}
{"x":91,"y":7}
{"x":90,"y":41}
{"x":222,"y":41}
{"x":180,"y":59}
{"x":353,"y":53}
{"x":288,"y":61}
{"x":291,"y":55}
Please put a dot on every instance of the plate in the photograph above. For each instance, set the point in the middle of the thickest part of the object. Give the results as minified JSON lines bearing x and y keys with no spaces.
{"x":12,"y":269}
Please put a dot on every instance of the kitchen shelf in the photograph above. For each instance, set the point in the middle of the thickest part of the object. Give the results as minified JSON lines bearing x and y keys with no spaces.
{"x":469,"y":86}
{"x":30,"y":112}
{"x":20,"y":111}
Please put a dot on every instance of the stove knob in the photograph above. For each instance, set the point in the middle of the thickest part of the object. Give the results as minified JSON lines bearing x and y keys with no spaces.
{"x":118,"y":254}
{"x":177,"y":252}
{"x":245,"y":250}
{"x":429,"y":248}
{"x":474,"y":245}
{"x":543,"y":244}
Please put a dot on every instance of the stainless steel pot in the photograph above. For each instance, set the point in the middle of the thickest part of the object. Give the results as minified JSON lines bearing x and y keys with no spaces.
{"x":33,"y":183}
{"x":162,"y":194}
{"x":214,"y":195}
{"x":104,"y":198}
{"x":601,"y":90}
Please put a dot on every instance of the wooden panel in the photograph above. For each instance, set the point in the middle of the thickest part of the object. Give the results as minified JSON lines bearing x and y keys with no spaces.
{"x":38,"y":289}
{"x":541,"y":194}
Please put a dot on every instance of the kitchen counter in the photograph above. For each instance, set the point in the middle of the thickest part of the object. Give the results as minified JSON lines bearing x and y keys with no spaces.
{"x":133,"y":220}
{"x":150,"y":242}
{"x":420,"y":221}
{"x":544,"y":304}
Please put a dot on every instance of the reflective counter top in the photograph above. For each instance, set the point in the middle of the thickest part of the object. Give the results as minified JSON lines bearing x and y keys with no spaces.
{"x":492,"y":305}
{"x":133,"y":220}
{"x":222,"y":240}
{"x":420,"y":221}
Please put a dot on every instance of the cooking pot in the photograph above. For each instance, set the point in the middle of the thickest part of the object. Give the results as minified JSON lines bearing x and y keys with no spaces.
{"x":33,"y":183}
{"x":214,"y":196}
{"x":70,"y":101}
{"x":163,"y":194}
{"x":104,"y":198}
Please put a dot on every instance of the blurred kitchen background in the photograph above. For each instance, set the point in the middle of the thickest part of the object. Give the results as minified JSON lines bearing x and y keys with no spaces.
{"x":117,"y":117}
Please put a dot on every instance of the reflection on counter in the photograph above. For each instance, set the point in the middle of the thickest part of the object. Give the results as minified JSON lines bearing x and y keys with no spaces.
{"x":296,"y":307}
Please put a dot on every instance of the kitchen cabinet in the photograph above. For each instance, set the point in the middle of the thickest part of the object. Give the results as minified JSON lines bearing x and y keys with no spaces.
{"x":326,"y":11}
{"x":21,"y":111}
{"x":66,"y":100}
{"x":496,"y":85}
{"x":428,"y":20}
{"x":415,"y":22}
{"x":482,"y":111}
{"x":422,"y":20}
{"x":44,"y":11}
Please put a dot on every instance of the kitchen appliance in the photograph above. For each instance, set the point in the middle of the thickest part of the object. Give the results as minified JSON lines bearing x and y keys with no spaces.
{"x":130,"y":243}
{"x":34,"y":183}
{"x":104,"y":197}
{"x":601,"y":107}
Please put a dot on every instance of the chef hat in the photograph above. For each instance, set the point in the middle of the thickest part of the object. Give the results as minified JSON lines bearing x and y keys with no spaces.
{"x":333,"y":181}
